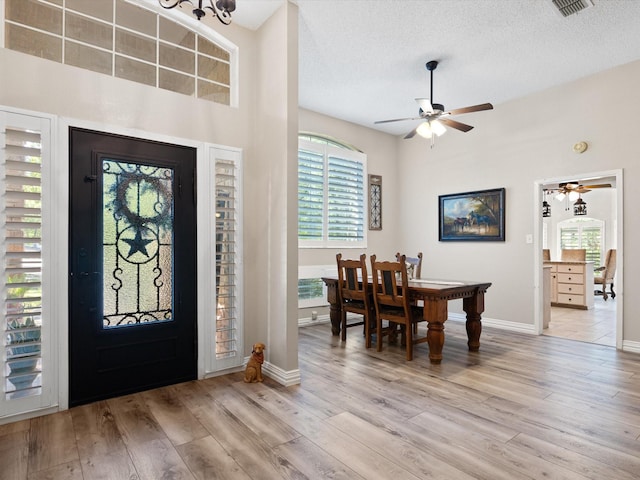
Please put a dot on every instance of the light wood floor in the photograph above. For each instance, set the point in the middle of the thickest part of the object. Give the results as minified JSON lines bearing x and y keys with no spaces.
{"x":596,"y":325}
{"x":524,"y":407}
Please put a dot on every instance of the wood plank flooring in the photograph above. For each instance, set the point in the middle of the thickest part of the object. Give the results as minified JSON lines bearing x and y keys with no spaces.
{"x":524,"y":407}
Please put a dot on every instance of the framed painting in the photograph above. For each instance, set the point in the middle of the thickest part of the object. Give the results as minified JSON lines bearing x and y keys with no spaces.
{"x":472,"y":216}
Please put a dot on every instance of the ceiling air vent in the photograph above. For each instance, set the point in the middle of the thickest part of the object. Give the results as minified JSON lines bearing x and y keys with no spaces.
{"x":569,"y":7}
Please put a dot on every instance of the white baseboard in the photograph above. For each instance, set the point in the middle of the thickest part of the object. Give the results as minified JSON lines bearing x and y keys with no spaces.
{"x":629,"y":346}
{"x":283,"y":377}
{"x":497,"y":323}
{"x":308,"y":321}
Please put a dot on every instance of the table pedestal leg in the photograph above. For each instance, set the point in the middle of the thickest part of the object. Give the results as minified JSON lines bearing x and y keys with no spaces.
{"x":335,"y":310}
{"x":474,"y":306}
{"x":435,"y":339}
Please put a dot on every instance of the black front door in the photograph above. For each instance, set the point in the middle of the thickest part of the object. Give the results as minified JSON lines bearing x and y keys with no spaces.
{"x":132,"y":290}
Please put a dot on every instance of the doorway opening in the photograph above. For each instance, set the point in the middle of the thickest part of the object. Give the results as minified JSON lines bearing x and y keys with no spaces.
{"x":594,"y":225}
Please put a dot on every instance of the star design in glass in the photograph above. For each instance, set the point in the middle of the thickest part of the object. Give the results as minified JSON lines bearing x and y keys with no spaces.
{"x":137,"y":244}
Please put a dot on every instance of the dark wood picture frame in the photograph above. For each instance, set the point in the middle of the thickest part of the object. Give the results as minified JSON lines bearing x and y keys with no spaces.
{"x":375,"y":202}
{"x":472,"y":216}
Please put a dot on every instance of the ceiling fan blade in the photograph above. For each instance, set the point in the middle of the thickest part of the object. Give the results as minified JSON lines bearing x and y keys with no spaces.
{"x":425,"y":105}
{"x":398,"y":120}
{"x":600,"y":185}
{"x":463,"y":127}
{"x":474,"y":108}
{"x":411,"y":134}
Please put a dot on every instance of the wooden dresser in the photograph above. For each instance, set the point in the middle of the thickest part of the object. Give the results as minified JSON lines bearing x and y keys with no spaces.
{"x":571,"y":284}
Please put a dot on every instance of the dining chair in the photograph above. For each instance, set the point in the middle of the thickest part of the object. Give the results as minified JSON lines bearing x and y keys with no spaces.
{"x":392,"y":305}
{"x":606,"y":274}
{"x":546,"y":255}
{"x":573,"y":255}
{"x":355,"y":296}
{"x":415,"y":262}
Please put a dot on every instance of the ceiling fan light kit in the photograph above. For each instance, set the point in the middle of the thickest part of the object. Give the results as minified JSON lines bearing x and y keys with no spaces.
{"x":433,"y":115}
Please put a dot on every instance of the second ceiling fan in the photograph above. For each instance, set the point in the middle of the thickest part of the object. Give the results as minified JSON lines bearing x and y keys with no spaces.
{"x":433,"y":115}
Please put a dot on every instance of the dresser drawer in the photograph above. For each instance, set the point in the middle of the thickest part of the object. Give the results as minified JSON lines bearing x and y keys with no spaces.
{"x":570,"y":278}
{"x":570,"y":268}
{"x":570,"y":288}
{"x":570,"y":299}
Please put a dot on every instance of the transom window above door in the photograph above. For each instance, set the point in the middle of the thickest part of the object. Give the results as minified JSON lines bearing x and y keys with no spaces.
{"x":118,"y":38}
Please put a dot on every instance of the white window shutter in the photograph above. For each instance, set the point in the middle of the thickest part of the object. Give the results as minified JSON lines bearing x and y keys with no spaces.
{"x":28,"y":371}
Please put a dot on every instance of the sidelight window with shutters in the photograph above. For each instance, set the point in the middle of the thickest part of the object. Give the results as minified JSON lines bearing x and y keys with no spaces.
{"x":25,"y":153}
{"x":221,"y":190}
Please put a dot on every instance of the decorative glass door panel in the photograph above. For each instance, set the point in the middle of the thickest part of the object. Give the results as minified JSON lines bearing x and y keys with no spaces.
{"x":137,"y":243}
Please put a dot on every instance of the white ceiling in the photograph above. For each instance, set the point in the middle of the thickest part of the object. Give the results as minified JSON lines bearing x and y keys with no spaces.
{"x":364,"y":60}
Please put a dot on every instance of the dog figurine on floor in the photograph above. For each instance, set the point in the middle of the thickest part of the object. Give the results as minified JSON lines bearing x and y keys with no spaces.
{"x":253,"y":372}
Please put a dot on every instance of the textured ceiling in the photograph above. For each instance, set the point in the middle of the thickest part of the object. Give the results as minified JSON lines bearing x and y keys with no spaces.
{"x":364,"y":60}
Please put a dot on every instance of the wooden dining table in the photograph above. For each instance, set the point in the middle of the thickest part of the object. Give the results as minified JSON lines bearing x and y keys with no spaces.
{"x":436,"y":295}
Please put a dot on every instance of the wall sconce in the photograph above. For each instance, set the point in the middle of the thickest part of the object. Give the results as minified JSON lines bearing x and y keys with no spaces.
{"x":580,"y":207}
{"x":546,"y":209}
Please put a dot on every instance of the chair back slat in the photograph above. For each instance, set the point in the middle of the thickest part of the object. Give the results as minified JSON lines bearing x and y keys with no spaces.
{"x":385,"y":282}
{"x":354,"y":296}
{"x":350,"y":275}
{"x":415,"y":262}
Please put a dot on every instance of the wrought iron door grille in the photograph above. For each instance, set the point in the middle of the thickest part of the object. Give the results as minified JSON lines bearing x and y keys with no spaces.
{"x":137,"y":243}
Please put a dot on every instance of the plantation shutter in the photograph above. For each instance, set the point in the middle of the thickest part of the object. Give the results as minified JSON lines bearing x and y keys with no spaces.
{"x":331,"y":196}
{"x":569,"y":237}
{"x":226,"y":280}
{"x":591,"y":240}
{"x":310,"y":195}
{"x":27,"y":369}
{"x":223,"y":346}
{"x":345,"y":199}
{"x":587,"y":234}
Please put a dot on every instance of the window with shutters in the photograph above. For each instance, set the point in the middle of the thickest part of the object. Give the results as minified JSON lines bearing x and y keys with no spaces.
{"x":584,"y":233}
{"x":331,"y":195}
{"x":27,"y":369}
{"x":226,"y":230}
{"x":224,"y":332}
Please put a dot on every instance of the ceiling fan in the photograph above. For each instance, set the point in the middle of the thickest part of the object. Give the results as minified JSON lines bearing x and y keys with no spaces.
{"x":569,"y":187}
{"x":433,"y":115}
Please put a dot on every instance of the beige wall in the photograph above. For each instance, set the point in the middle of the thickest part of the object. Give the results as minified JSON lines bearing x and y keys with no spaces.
{"x":513,"y":146}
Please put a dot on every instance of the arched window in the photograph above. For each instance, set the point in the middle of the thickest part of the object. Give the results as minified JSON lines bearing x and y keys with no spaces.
{"x":331,"y":193}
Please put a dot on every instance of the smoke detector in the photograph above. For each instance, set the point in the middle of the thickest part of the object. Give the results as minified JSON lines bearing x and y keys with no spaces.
{"x":569,"y":7}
